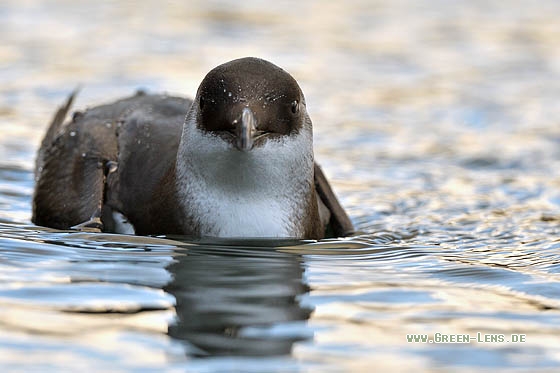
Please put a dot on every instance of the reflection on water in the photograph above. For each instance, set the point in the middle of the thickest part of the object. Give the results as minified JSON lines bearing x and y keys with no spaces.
{"x":239,"y":301}
{"x":437,"y":123}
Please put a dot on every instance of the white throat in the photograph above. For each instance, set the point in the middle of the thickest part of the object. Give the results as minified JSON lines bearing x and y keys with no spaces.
{"x":225,"y":192}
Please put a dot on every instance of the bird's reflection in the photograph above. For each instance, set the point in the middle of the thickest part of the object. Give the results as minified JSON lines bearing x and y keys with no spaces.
{"x":229,"y":300}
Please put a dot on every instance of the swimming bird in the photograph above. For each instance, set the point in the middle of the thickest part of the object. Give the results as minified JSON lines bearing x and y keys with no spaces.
{"x":237,"y":161}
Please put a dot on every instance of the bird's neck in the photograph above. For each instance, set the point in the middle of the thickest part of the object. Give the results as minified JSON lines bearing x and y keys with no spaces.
{"x":265,"y":192}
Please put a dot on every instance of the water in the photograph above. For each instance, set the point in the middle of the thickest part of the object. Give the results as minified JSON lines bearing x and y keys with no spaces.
{"x":438,"y":124}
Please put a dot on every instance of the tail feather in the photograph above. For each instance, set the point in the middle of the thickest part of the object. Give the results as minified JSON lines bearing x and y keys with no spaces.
{"x":54,"y":129}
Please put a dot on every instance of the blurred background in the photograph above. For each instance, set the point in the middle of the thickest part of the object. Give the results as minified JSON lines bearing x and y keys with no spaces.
{"x":438,"y":123}
{"x":474,"y":80}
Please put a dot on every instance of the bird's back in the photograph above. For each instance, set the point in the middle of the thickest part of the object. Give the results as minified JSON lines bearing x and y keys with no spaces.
{"x":117,"y":154}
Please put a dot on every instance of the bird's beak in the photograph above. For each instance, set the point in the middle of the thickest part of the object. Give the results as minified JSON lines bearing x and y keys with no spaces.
{"x":245,"y":130}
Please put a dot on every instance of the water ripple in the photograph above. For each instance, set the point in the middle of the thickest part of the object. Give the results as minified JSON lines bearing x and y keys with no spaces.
{"x":437,"y":124}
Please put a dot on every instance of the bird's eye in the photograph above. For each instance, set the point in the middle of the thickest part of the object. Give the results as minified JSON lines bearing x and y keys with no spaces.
{"x":201,"y":102}
{"x":295,"y":107}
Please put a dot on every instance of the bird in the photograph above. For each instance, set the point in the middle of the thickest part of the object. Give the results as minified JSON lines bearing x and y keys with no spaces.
{"x":235,"y":161}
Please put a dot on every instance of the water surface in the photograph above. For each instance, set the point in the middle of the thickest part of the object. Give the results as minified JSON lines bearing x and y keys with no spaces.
{"x":438,"y":124}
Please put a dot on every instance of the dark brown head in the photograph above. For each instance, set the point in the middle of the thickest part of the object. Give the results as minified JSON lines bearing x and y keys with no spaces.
{"x":248,"y":101}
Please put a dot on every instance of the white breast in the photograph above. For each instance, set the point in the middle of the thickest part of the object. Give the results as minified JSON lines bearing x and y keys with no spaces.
{"x":259,"y":193}
{"x":221,"y":215}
